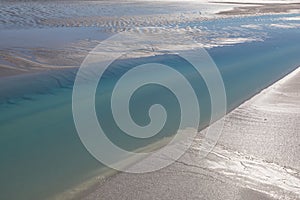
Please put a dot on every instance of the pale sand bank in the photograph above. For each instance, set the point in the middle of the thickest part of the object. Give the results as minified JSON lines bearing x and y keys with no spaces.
{"x":262,"y":8}
{"x":257,"y":157}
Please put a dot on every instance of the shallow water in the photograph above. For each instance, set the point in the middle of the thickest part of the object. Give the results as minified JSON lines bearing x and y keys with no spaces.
{"x":40,"y":151}
{"x":47,"y":37}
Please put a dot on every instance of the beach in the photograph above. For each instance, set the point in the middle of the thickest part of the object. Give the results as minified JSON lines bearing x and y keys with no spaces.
{"x":254,"y":45}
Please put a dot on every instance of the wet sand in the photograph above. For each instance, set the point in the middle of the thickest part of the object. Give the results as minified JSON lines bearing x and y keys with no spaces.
{"x":257,"y":157}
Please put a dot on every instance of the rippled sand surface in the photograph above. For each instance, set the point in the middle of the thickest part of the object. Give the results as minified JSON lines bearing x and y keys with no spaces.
{"x":102,"y":13}
{"x":45,"y":35}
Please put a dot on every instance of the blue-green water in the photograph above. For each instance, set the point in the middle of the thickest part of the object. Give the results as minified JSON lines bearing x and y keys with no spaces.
{"x":40,"y":151}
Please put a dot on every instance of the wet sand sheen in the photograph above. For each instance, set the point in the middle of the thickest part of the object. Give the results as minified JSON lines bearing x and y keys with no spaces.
{"x":249,"y":161}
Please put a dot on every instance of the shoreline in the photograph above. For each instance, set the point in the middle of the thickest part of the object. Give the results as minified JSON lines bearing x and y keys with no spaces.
{"x":89,"y":187}
{"x":91,"y":184}
{"x":249,"y":192}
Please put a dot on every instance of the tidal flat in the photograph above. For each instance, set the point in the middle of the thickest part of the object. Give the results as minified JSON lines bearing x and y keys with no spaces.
{"x":41,"y":154}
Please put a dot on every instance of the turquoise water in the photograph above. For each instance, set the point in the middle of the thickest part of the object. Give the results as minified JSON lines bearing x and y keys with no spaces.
{"x":40,"y":151}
